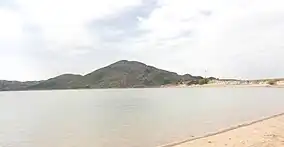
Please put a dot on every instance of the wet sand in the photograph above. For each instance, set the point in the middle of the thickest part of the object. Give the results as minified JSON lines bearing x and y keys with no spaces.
{"x":268,"y":132}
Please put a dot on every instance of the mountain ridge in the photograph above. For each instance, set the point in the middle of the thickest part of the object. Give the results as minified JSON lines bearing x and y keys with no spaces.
{"x":121,"y":74}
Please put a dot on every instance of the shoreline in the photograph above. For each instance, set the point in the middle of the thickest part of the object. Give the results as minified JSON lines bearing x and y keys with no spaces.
{"x":240,"y":86}
{"x":241,"y":132}
{"x":216,"y":85}
{"x":270,"y":83}
{"x":163,"y":86}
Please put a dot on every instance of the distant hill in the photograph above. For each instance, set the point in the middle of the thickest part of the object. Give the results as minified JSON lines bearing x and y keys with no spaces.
{"x":66,"y":81}
{"x":15,"y":85}
{"x":121,"y":74}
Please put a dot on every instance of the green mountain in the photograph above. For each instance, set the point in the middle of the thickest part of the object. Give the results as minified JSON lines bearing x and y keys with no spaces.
{"x":122,"y":74}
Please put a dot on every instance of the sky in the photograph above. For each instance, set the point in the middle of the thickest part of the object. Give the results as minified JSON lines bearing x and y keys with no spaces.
{"x":40,"y":39}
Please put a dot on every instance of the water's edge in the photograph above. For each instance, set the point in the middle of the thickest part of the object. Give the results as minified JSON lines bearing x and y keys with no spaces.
{"x":222,"y":131}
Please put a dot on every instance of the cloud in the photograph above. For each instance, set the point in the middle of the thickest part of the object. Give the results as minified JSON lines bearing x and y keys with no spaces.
{"x":123,"y":25}
{"x":65,"y":25}
{"x":245,"y":41}
{"x":47,"y":30}
{"x":227,"y":41}
{"x":236,"y":38}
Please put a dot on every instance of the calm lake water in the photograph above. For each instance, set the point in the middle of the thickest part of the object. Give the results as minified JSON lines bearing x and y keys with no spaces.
{"x":128,"y":117}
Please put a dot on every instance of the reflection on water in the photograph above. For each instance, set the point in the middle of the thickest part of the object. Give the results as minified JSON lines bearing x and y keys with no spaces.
{"x":127,"y":117}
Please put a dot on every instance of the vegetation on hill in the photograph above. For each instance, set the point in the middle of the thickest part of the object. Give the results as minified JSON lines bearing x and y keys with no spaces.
{"x":203,"y":81}
{"x":272,"y":82}
{"x":66,"y":81}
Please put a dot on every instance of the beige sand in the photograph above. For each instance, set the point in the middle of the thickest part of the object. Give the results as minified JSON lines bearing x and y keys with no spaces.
{"x":264,"y":133}
{"x":217,"y":83}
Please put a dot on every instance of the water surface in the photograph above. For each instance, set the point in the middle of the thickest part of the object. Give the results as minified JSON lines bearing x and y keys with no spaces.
{"x":128,"y":117}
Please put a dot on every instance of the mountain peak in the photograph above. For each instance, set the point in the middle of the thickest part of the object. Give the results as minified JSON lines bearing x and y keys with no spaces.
{"x":121,"y":61}
{"x":127,"y":62}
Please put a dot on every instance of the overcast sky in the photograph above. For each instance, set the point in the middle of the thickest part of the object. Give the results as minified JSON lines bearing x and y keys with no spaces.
{"x":40,"y":39}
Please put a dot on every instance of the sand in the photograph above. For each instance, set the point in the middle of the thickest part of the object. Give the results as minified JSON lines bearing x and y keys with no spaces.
{"x":268,"y":132}
{"x":216,"y":85}
{"x":233,"y":84}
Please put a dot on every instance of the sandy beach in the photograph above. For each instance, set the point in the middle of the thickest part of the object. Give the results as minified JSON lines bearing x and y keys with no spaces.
{"x":238,"y":84}
{"x":268,"y":132}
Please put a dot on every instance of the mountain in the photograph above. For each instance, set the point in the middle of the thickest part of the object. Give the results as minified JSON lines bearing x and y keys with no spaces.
{"x":121,"y":74}
{"x":16,"y":85}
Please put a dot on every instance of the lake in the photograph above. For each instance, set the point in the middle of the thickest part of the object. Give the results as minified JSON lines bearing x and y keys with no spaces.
{"x":128,"y":117}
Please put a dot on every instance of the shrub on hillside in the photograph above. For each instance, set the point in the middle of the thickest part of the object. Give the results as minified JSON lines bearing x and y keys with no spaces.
{"x":203,"y":81}
{"x":272,"y":82}
{"x":167,"y":81}
{"x":194,"y":82}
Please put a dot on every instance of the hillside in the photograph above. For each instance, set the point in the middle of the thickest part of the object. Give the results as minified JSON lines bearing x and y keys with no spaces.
{"x":121,"y":74}
{"x":66,"y":81}
{"x":15,"y":85}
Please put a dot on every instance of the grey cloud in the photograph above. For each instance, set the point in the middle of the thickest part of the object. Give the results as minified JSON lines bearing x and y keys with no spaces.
{"x":123,"y":25}
{"x":232,"y":44}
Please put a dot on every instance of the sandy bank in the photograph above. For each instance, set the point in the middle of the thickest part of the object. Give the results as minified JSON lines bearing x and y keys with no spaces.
{"x":217,"y":83}
{"x":240,"y":86}
{"x":268,"y":132}
{"x":223,"y":85}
